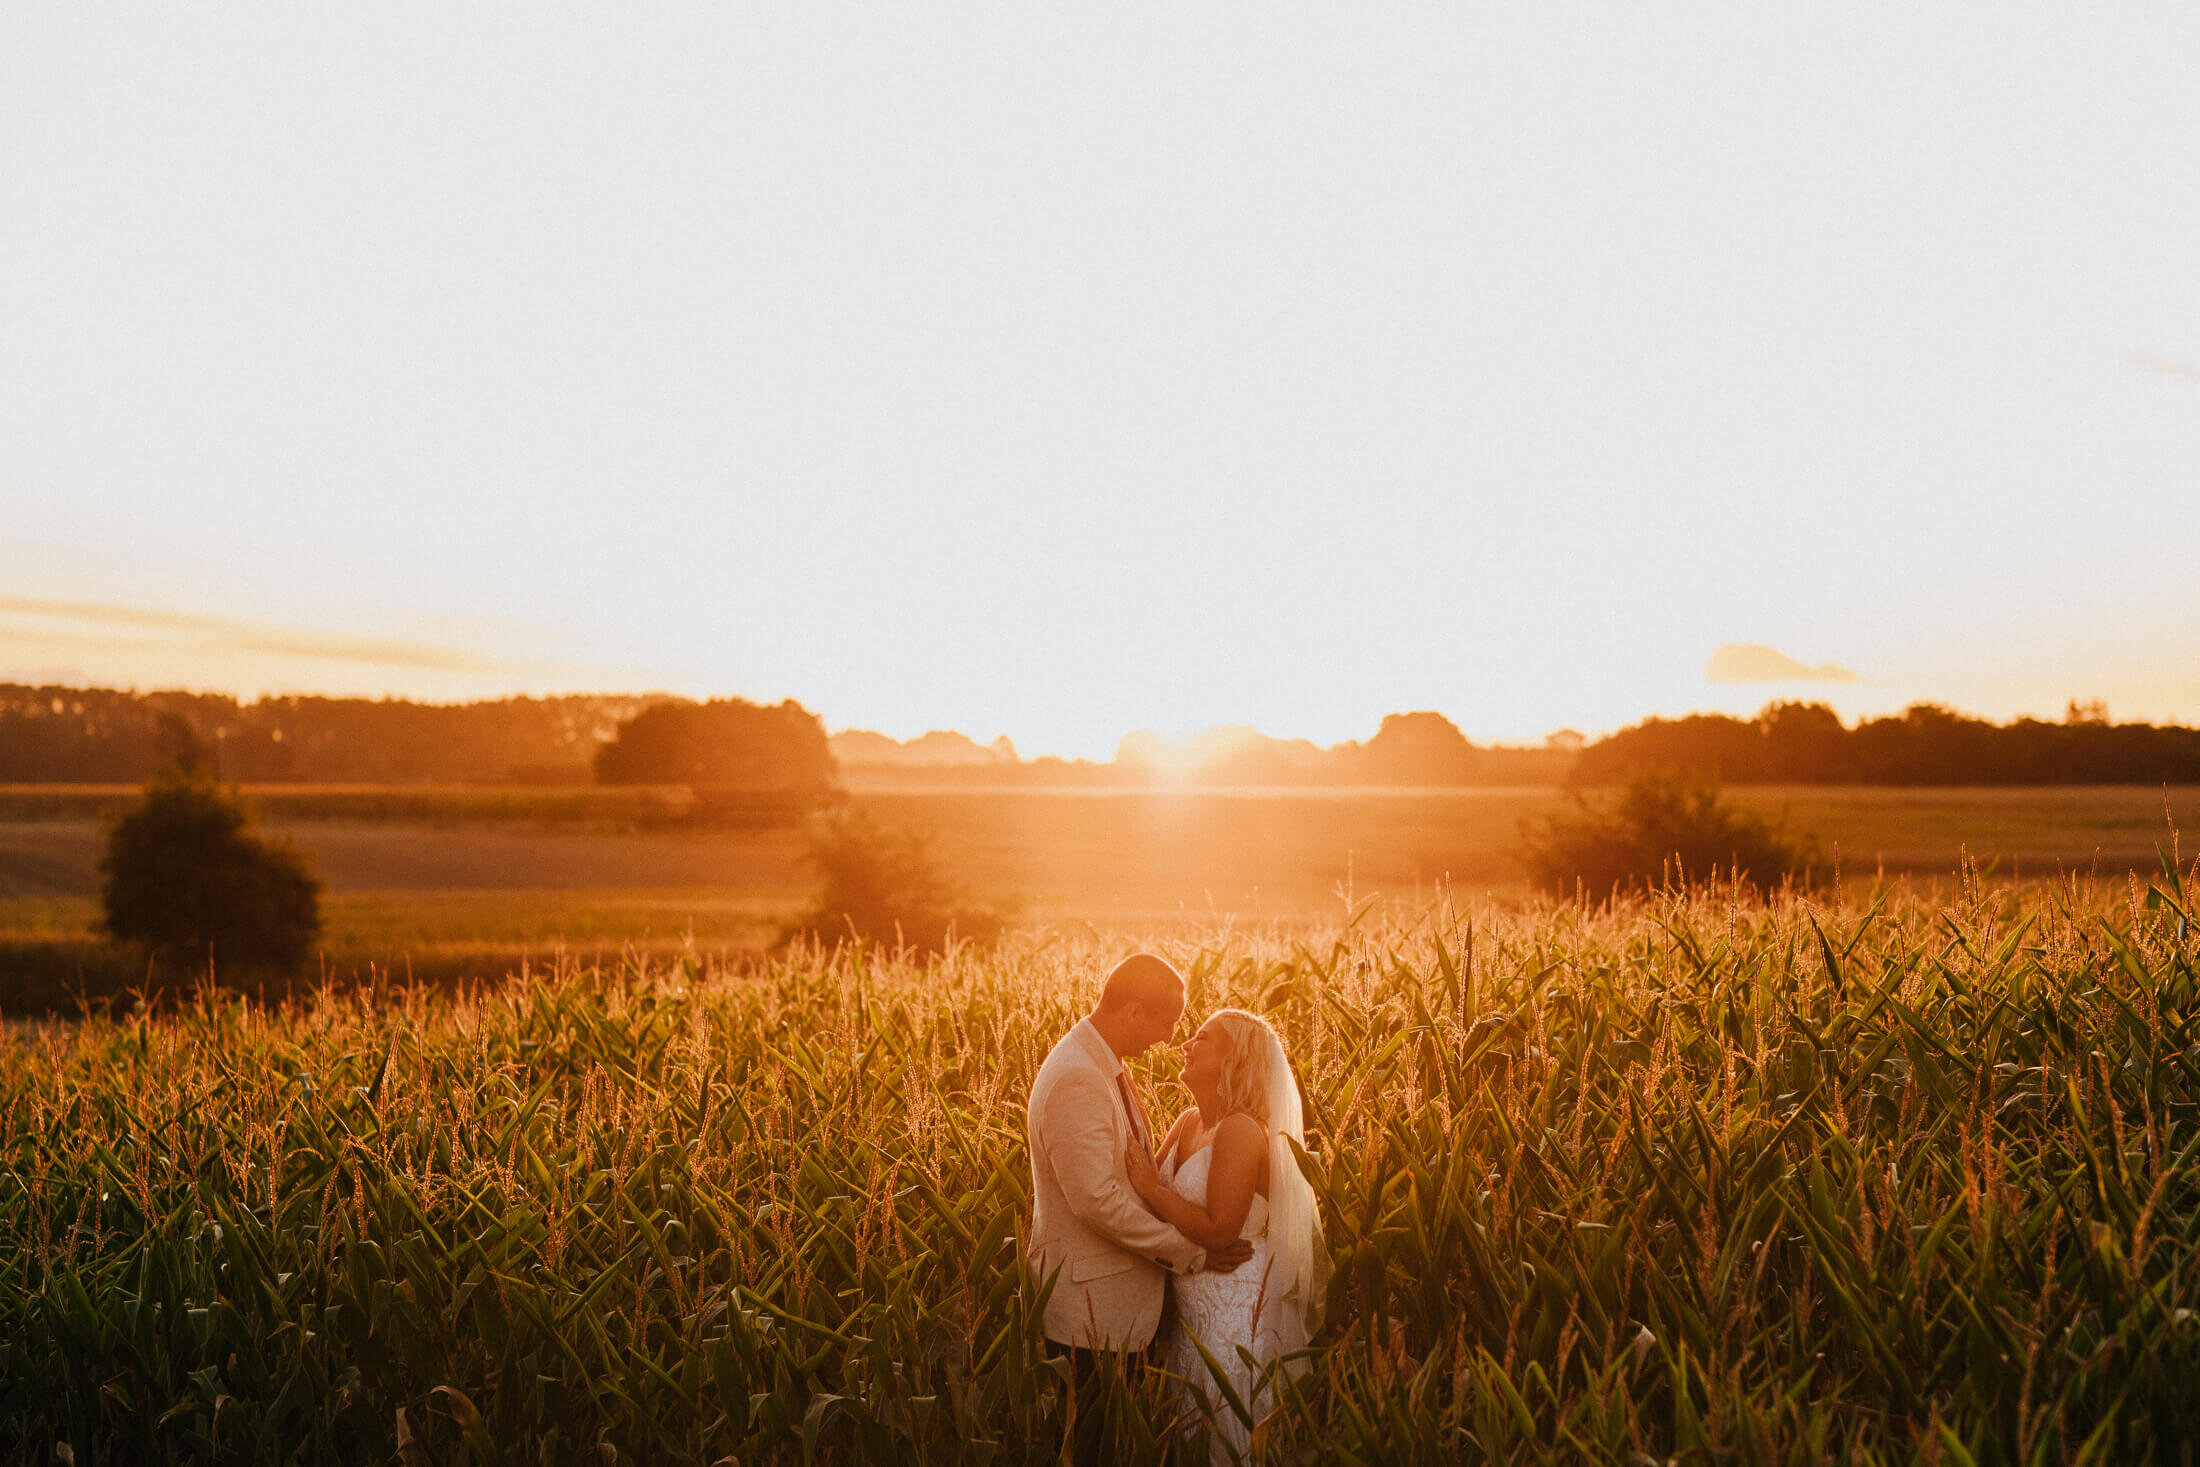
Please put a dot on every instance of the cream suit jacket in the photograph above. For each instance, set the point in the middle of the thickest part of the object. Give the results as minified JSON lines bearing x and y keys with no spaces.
{"x":1107,"y":1254}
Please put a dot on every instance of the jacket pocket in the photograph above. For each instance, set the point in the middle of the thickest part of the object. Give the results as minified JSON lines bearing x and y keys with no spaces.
{"x":1100,"y":1266}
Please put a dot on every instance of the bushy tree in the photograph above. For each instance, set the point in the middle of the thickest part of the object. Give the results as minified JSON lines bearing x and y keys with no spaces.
{"x":185,"y":874}
{"x":728,"y":743}
{"x":885,"y":886}
{"x":1418,"y":749}
{"x":1667,"y":828}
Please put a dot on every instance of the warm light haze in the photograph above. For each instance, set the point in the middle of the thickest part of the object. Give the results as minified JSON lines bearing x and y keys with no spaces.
{"x":1061,"y":373}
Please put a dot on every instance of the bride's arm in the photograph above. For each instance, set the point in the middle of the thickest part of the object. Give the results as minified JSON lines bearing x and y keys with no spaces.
{"x":1240,"y":1147}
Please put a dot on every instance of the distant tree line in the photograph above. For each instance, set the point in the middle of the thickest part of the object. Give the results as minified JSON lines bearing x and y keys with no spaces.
{"x":861,"y":748}
{"x":105,"y":736}
{"x":1408,"y":750}
{"x":102,"y":736}
{"x":1925,"y":744}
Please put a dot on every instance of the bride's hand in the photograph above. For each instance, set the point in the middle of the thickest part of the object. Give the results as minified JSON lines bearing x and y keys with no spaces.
{"x":1145,"y":1180}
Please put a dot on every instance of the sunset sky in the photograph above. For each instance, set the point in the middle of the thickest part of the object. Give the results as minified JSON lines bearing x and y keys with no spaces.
{"x":1060,"y":373}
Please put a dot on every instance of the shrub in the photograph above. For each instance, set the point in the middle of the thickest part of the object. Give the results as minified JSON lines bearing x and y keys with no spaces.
{"x":886,"y":887}
{"x":185,"y":874}
{"x":1667,"y":829}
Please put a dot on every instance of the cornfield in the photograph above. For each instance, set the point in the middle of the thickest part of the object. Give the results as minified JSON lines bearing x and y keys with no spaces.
{"x":1704,"y":1177}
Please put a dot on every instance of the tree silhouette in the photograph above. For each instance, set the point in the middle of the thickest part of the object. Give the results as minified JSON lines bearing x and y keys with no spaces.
{"x":728,"y":743}
{"x":185,"y":874}
{"x":1925,"y":744}
{"x":1418,"y":749}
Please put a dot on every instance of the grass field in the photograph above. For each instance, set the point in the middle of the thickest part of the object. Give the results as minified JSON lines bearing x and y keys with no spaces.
{"x":1709,"y":1180}
{"x":501,"y":877}
{"x":587,"y":923}
{"x":615,"y":805}
{"x":1114,"y":854}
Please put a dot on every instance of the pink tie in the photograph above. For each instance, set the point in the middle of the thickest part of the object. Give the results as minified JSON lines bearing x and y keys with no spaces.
{"x":1130,"y":1105}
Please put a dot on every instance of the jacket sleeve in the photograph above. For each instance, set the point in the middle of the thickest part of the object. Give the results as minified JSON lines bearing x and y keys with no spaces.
{"x":1081,"y":1147}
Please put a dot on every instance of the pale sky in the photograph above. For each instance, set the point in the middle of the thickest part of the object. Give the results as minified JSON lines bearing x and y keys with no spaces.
{"x":1058,"y":373}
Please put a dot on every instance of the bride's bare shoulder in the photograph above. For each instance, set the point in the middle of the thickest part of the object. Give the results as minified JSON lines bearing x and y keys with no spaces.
{"x":1240,"y":1133}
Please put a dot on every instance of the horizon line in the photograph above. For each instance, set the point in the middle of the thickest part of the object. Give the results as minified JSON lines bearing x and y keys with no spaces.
{"x":1169,"y":741}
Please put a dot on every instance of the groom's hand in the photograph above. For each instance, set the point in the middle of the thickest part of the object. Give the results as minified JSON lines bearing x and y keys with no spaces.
{"x":1226,"y":1258}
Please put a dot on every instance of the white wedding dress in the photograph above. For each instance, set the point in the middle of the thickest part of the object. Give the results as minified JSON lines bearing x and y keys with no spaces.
{"x":1224,"y":1312}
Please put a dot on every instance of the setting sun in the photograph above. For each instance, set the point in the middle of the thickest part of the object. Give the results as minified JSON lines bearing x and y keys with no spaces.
{"x":1351,"y":369}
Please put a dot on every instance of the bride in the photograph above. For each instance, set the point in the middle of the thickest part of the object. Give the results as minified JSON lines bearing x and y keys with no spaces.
{"x":1226,"y":1170}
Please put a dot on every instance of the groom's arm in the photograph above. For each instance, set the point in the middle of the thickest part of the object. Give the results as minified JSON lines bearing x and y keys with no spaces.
{"x":1081,"y":1146}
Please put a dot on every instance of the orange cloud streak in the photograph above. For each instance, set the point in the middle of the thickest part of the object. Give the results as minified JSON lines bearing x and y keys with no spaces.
{"x":257,"y":637}
{"x":1750,"y":662}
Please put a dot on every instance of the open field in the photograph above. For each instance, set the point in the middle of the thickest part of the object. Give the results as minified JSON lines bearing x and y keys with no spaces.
{"x":486,"y":885}
{"x":1285,"y":853}
{"x":583,"y":923}
{"x":1702,"y":1179}
{"x":1112,"y":855}
{"x":624,"y":806}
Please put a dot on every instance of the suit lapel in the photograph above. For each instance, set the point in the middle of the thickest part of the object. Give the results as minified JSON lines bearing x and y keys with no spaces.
{"x":1103,"y":1059}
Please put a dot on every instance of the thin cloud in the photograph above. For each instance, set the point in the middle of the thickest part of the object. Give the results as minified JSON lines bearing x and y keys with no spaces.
{"x":248,"y":636}
{"x":2155,"y":362}
{"x":1751,"y":662}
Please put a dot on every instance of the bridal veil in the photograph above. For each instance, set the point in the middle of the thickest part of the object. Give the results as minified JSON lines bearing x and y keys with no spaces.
{"x":1300,"y":1277}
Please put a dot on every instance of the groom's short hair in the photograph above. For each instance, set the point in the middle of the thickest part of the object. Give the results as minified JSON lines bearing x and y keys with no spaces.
{"x":1142,"y":978}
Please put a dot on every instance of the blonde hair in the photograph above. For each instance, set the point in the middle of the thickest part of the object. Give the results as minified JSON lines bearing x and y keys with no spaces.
{"x":1243,"y":1086}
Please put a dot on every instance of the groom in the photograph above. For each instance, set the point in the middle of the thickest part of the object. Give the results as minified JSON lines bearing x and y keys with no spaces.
{"x":1108,"y":1256}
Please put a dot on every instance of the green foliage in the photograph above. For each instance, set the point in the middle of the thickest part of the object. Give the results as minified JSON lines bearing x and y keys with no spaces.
{"x":727,"y":743}
{"x":884,"y":886}
{"x":184,"y":874}
{"x":1689,"y":1179}
{"x":1668,"y":828}
{"x":1925,"y":744}
{"x":101,"y":735}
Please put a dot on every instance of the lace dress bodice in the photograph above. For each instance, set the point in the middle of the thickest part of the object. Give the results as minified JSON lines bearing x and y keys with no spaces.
{"x":1225,"y":1311}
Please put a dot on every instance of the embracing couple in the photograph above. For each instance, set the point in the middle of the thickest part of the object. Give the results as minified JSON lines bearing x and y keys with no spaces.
{"x":1216,"y":1214}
